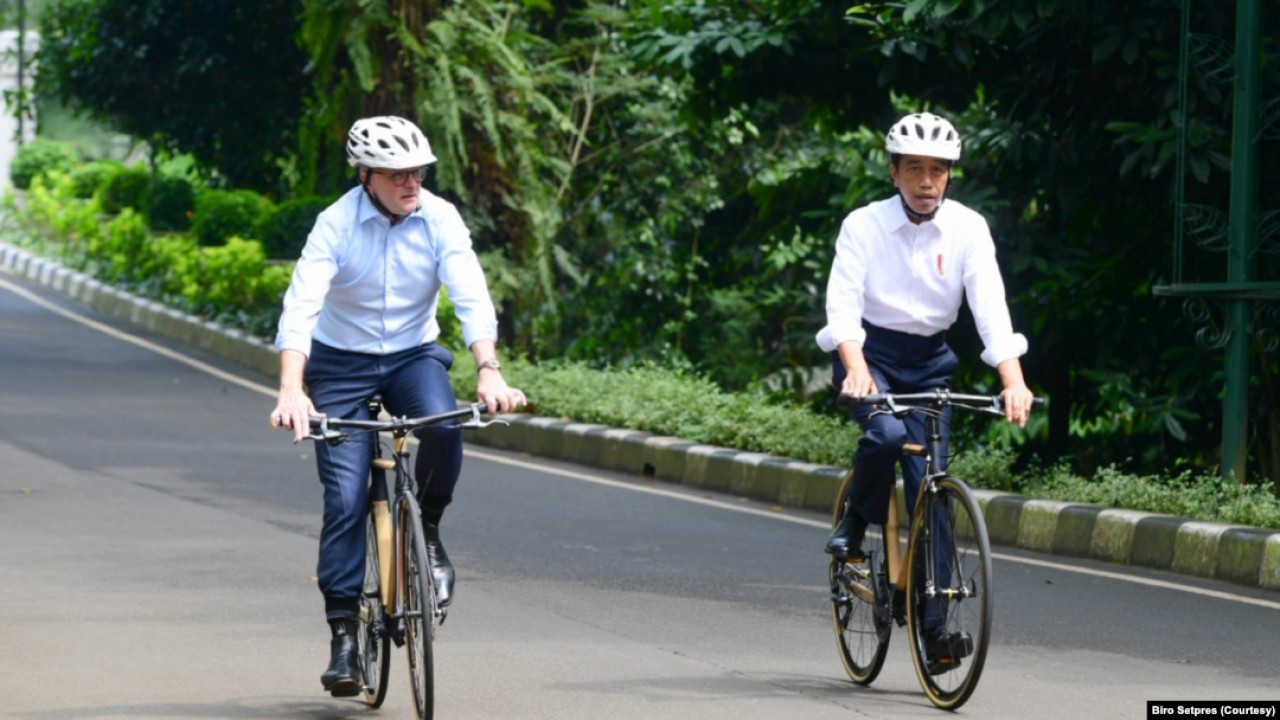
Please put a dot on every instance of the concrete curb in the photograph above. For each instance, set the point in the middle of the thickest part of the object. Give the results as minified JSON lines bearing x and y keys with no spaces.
{"x":1242,"y":555}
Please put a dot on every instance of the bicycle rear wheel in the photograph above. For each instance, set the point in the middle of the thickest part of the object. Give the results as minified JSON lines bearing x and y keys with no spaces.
{"x":418,"y":602}
{"x":949,"y":591}
{"x":860,"y":601}
{"x":372,"y":639}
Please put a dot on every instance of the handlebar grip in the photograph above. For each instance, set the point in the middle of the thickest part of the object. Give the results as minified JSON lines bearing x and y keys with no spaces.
{"x":846,"y":400}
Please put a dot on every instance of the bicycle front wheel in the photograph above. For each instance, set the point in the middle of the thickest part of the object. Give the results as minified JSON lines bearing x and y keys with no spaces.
{"x":949,"y":592}
{"x":417,"y":595}
{"x":372,"y":639}
{"x":860,"y":601}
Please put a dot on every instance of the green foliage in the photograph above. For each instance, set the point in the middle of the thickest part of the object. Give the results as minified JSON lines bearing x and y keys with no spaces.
{"x":676,"y":403}
{"x":222,"y":214}
{"x":88,"y":178}
{"x":992,"y":469}
{"x":126,"y":188}
{"x":285,"y":228}
{"x":219,"y":80}
{"x":39,"y":157}
{"x":116,"y":252}
{"x":1203,"y":496}
{"x":171,"y":202}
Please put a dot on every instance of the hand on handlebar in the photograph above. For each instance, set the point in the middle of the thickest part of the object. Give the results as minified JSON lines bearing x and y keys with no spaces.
{"x":294,"y":412}
{"x":1017,"y":401}
{"x":858,"y":383}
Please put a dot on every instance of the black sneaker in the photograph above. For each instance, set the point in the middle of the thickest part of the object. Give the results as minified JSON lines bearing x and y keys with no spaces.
{"x":943,"y":651}
{"x":846,"y":538}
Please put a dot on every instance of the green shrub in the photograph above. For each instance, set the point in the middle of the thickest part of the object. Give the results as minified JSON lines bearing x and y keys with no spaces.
{"x":117,"y":250}
{"x":171,"y":203}
{"x":1205,"y":497}
{"x":675,"y":403}
{"x":88,"y":178}
{"x":990,"y":469}
{"x":39,"y":157}
{"x":170,"y":265}
{"x":284,"y":230}
{"x":223,"y":214}
{"x":228,"y":277}
{"x":127,"y":188}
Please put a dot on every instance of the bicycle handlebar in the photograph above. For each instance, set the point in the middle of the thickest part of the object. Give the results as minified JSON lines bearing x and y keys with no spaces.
{"x":326,"y":428}
{"x":992,"y":404}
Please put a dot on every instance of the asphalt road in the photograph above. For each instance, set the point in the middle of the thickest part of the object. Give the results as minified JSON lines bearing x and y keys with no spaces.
{"x":157,"y":553}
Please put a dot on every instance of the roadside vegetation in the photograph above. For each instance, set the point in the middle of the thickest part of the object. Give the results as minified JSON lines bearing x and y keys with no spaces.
{"x":654,"y":189}
{"x":230,"y":280}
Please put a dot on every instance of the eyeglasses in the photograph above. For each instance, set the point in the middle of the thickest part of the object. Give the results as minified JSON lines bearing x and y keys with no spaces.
{"x":400,"y":178}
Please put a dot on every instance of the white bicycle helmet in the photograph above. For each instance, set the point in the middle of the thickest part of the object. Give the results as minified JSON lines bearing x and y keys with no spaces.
{"x":387,"y":142}
{"x":923,"y":134}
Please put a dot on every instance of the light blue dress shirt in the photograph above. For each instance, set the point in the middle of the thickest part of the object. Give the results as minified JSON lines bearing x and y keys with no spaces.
{"x":366,"y":286}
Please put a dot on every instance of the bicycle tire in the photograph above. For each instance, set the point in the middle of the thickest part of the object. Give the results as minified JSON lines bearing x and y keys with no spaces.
{"x":860,"y":601}
{"x":417,"y":605}
{"x":372,"y":640}
{"x":964,"y":580}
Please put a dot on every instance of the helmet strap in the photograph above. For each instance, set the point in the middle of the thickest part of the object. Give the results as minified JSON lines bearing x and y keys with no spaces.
{"x":392,"y":217}
{"x":919,"y":217}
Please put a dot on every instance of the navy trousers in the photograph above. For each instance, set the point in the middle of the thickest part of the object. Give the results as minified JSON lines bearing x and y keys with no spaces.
{"x":412,"y":382}
{"x":899,"y":363}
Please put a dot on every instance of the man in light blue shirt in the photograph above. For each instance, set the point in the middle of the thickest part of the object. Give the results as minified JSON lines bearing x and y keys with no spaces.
{"x":359,"y":319}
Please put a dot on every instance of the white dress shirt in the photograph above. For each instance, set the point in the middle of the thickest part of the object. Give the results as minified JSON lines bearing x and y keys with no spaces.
{"x":912,"y":278}
{"x":366,"y":286}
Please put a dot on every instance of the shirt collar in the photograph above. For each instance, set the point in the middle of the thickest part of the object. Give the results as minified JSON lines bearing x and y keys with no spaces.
{"x":898,"y":219}
{"x":368,"y":211}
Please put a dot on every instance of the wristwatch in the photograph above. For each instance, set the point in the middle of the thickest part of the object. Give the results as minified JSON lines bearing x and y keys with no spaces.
{"x":490,"y":363}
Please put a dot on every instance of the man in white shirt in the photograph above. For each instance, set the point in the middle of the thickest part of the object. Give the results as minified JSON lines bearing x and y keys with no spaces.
{"x":359,"y":319}
{"x":903,"y":266}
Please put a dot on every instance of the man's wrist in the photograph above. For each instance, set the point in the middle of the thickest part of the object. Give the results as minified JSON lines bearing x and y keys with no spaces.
{"x":490,"y":364}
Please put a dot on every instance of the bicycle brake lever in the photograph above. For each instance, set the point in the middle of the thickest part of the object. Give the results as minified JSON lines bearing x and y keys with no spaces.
{"x":327,"y":434}
{"x":478,"y":422}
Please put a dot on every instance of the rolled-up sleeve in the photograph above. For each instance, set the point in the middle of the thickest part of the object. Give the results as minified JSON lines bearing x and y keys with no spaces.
{"x":984,"y":288}
{"x":307,"y":290}
{"x":845,"y":290}
{"x":460,"y":271}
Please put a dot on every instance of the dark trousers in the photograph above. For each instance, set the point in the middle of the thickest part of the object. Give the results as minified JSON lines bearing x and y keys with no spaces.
{"x":412,"y":382}
{"x":899,"y":363}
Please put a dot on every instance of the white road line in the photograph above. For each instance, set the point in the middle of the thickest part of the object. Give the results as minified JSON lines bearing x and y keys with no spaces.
{"x":147,"y":345}
{"x":586,"y":477}
{"x":598,"y":480}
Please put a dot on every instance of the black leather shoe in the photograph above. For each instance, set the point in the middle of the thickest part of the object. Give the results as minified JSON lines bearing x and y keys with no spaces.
{"x":846,"y":538}
{"x":943,"y":651}
{"x":441,"y":568}
{"x":342,"y":678}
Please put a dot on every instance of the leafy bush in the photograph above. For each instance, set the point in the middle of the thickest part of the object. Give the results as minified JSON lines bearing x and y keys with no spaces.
{"x":170,"y":265}
{"x":284,"y":230}
{"x":171,"y":203}
{"x":39,"y":157}
{"x":117,"y":250}
{"x":1205,"y":497}
{"x":127,"y":188}
{"x":675,"y":403}
{"x":223,"y":214}
{"x":990,"y":469}
{"x":88,"y":178}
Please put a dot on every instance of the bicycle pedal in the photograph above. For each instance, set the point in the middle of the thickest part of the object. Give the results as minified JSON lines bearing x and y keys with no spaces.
{"x":942,"y":665}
